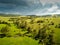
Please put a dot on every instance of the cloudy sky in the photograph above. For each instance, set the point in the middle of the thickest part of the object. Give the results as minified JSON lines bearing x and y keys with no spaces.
{"x":30,"y":7}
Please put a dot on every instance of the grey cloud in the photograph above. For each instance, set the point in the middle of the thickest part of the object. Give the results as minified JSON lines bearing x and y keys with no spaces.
{"x":26,"y":6}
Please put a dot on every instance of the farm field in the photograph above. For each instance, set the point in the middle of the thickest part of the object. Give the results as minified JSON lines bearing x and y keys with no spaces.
{"x":29,"y":30}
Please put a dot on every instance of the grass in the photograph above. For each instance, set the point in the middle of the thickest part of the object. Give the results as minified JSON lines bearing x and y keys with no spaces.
{"x":26,"y":40}
{"x":18,"y":41}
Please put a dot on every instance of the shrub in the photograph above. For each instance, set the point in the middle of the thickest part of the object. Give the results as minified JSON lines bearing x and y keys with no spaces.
{"x":2,"y":35}
{"x":5,"y":30}
{"x":52,"y":23}
{"x":50,"y":38}
{"x":4,"y":22}
{"x":57,"y":26}
{"x":40,"y":21}
{"x":19,"y":34}
{"x":29,"y":30}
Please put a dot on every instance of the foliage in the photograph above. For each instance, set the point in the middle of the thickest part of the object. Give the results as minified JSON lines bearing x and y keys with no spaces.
{"x":44,"y":30}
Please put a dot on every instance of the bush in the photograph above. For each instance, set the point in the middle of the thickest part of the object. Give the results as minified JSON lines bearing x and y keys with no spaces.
{"x":52,"y":23}
{"x":18,"y":34}
{"x":5,"y":30}
{"x":2,"y":35}
{"x":4,"y":22}
{"x":40,"y":21}
{"x":57,"y":26}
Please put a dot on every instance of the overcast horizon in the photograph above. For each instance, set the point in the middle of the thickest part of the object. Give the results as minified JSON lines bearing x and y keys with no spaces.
{"x":30,"y":7}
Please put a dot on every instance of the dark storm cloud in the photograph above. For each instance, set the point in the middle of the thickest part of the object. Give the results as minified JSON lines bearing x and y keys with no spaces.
{"x":16,"y":2}
{"x":28,"y":6}
{"x":20,"y":4}
{"x":12,"y":5}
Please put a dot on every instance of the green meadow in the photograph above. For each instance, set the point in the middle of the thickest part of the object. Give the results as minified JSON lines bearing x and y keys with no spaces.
{"x":29,"y":30}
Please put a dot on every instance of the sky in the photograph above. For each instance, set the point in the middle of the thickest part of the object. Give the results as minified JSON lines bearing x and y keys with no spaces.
{"x":30,"y":7}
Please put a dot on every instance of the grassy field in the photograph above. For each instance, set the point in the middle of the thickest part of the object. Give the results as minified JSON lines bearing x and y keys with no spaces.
{"x":27,"y":30}
{"x":18,"y":41}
